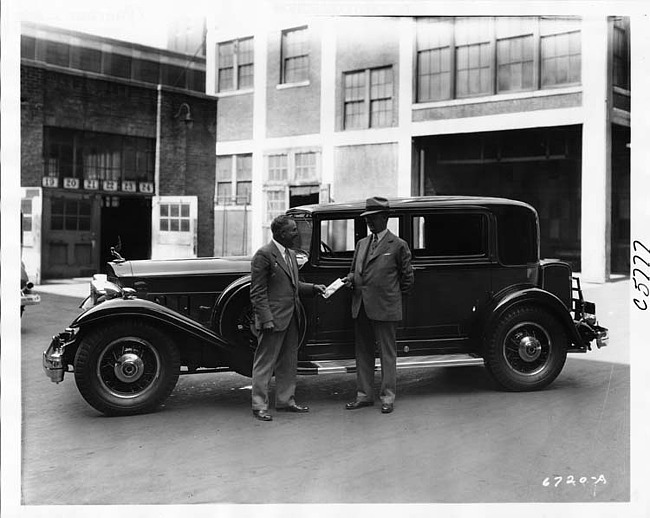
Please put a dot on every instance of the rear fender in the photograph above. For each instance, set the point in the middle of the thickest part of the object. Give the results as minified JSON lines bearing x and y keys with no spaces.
{"x":506,"y":300}
{"x":117,"y":309}
{"x":240,"y":287}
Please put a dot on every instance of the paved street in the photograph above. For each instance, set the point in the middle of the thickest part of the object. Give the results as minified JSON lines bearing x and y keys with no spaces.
{"x":452,"y":438}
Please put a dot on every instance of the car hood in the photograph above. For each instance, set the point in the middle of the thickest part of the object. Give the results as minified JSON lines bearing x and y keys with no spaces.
{"x":181,"y":267}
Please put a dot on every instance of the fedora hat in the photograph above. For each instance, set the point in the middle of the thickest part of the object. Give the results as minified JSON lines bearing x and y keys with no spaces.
{"x":376,"y":205}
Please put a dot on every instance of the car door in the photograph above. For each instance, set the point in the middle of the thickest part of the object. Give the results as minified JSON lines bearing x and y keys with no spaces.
{"x":452,"y":268}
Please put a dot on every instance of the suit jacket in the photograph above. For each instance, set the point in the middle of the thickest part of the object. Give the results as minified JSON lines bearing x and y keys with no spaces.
{"x":380,"y":281}
{"x":273,"y":294}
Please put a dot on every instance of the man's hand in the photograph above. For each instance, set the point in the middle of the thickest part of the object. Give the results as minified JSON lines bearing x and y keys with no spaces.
{"x":320,"y":288}
{"x":347,"y":281}
{"x":268,"y":326}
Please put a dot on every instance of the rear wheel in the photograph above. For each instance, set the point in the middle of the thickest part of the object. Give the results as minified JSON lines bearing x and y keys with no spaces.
{"x":526,"y":349}
{"x":128,"y":367}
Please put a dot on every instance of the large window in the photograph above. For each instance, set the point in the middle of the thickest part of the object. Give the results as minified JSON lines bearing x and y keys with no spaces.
{"x":368,"y":98}
{"x":295,"y":56}
{"x":560,"y":52}
{"x":473,"y":56}
{"x":434,"y":59}
{"x":87,"y":155}
{"x":235,"y":65}
{"x":494,"y":55}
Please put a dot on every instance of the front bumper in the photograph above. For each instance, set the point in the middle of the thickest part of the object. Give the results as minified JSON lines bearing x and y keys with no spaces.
{"x":29,"y":299}
{"x":54,"y":363}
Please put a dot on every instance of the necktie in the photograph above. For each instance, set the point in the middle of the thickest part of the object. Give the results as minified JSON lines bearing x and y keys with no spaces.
{"x":373,"y":244}
{"x":287,"y":259}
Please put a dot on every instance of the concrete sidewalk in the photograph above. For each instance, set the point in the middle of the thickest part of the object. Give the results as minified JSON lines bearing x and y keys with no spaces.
{"x":612,"y":309}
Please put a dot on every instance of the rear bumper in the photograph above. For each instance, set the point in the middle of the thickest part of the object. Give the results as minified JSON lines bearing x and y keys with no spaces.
{"x":54,"y":363}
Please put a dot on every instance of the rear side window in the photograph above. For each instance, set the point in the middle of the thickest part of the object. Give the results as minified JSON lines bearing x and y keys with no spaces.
{"x":517,"y":235}
{"x":450,"y":235}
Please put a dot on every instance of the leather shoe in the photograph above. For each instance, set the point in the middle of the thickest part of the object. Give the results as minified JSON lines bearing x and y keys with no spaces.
{"x":293,"y":408}
{"x":262,"y":415}
{"x":386,"y":408}
{"x":353,"y":405}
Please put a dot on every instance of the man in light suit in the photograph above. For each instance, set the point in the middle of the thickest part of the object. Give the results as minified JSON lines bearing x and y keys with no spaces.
{"x":381,"y":273}
{"x":275,"y":288}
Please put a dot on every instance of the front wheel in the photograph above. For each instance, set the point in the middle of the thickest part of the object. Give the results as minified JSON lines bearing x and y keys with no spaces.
{"x":526,"y":349}
{"x":126,"y":368}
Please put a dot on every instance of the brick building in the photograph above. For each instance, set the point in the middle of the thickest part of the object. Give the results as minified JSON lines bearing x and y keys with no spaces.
{"x":118,"y":144}
{"x":332,"y":107}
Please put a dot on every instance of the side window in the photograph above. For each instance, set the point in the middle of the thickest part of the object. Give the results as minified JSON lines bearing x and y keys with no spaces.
{"x":450,"y":235}
{"x":517,"y":235}
{"x":339,"y":236}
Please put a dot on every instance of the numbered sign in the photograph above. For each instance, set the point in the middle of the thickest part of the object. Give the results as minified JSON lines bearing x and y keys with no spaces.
{"x":110,"y":185}
{"x":146,"y":187}
{"x":50,"y":181}
{"x":71,"y":183}
{"x":91,"y":185}
{"x":129,"y":186}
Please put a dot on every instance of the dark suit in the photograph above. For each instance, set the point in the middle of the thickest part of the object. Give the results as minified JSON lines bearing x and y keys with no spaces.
{"x":274,"y":296}
{"x":379,"y":280}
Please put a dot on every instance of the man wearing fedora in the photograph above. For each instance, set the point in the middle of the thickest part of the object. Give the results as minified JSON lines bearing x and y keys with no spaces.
{"x":381,"y":273}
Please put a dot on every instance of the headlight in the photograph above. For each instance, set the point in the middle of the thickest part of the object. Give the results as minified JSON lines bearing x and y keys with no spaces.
{"x":101,"y":288}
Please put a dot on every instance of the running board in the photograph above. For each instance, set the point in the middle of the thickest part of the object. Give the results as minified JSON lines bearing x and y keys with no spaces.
{"x":403,"y":363}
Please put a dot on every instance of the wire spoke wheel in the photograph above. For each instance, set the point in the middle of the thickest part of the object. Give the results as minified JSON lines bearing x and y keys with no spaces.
{"x":126,"y":367}
{"x":526,"y":349}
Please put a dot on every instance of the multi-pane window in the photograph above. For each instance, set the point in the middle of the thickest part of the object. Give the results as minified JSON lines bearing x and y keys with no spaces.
{"x":295,"y":55}
{"x":515,"y":53}
{"x":277,"y":168}
{"x":368,"y":98}
{"x":561,"y":59}
{"x":234,"y":179}
{"x":305,"y":166}
{"x":243,"y":179}
{"x":495,"y":55}
{"x":434,"y":36}
{"x":276,"y":203}
{"x":57,"y":53}
{"x":175,"y":217}
{"x":224,"y":180}
{"x":68,"y":214}
{"x":621,"y":48}
{"x":235,"y":65}
{"x":97,"y":156}
{"x":473,"y":56}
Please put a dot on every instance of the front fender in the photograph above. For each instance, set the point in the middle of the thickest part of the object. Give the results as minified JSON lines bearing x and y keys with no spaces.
{"x":145,"y":309}
{"x":531,"y":295}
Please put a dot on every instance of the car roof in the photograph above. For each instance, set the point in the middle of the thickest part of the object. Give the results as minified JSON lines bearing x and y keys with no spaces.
{"x":414,"y":202}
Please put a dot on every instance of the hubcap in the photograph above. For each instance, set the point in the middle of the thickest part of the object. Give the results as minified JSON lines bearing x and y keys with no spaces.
{"x":129,"y":367}
{"x":527,"y":348}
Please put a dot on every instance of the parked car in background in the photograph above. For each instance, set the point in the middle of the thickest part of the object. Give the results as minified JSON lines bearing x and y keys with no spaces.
{"x":482,"y":296}
{"x":27,"y":296}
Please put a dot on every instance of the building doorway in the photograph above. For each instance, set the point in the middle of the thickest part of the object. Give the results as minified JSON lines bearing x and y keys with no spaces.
{"x":127,"y":221}
{"x":540,"y":166}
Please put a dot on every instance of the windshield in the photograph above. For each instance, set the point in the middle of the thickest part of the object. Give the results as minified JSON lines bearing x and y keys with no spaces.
{"x":305,"y":227}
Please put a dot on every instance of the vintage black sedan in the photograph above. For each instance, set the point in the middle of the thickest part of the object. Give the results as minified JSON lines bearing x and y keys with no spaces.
{"x":482,"y":296}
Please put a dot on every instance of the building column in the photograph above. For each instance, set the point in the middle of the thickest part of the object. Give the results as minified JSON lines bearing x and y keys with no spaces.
{"x":405,"y":81}
{"x":596,"y":217}
{"x":259,"y":135}
{"x":328,"y":102}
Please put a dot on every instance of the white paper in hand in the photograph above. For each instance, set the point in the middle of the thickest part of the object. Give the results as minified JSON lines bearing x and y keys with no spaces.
{"x":332,"y":288}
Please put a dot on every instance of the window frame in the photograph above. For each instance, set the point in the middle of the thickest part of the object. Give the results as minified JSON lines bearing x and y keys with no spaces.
{"x":180,"y":218}
{"x":238,"y":176}
{"x":236,"y":64}
{"x":286,"y":55}
{"x":362,"y":95}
